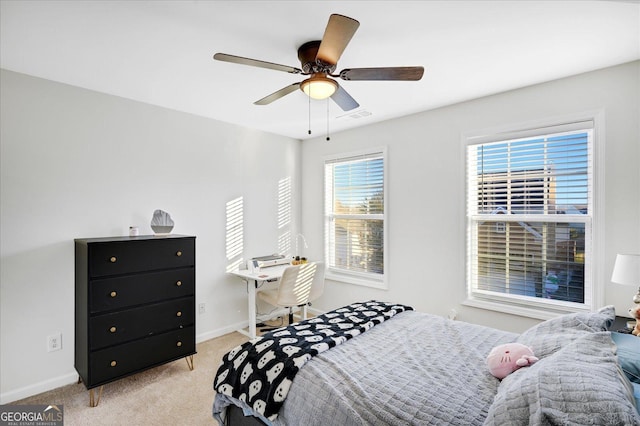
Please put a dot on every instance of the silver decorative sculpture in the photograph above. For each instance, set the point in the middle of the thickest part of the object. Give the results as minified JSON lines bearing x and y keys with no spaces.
{"x":161,"y":222}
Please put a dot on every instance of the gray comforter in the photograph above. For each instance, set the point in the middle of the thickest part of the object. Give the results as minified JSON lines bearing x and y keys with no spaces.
{"x":421,"y":369}
{"x":415,"y":369}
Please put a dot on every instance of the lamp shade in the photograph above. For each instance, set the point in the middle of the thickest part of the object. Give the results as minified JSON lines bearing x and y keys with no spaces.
{"x":319,"y":87}
{"x":626,"y":270}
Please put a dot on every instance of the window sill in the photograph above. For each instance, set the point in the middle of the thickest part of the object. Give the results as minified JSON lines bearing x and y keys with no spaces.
{"x":516,"y":308}
{"x":352,"y":279}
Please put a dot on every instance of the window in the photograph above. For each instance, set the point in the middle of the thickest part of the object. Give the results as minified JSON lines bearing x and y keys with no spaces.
{"x":355,"y":227}
{"x":529,"y":220}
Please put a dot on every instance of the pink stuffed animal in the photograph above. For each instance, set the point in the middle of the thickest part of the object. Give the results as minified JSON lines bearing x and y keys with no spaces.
{"x":507,"y":358}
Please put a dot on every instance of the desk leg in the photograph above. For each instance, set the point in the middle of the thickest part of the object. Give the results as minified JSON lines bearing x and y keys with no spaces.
{"x":251,"y":288}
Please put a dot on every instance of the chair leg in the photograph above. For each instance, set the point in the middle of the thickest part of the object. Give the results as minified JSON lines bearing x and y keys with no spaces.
{"x":290,"y":315}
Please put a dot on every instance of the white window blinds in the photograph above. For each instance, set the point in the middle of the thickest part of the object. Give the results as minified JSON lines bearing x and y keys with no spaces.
{"x":354,"y":213}
{"x":529,"y":207}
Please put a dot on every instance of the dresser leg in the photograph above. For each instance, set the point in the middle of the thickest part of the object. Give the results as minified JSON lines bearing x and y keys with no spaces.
{"x":189,"y":360}
{"x":92,"y":401}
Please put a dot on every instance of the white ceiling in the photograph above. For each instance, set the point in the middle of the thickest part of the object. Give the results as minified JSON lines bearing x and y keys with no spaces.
{"x":160,"y":52}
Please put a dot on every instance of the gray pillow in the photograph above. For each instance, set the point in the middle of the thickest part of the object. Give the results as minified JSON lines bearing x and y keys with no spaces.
{"x":549,"y":336}
{"x":579,"y":384}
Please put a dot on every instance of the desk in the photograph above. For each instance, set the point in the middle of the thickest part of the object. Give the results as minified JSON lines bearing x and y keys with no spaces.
{"x":265,"y":274}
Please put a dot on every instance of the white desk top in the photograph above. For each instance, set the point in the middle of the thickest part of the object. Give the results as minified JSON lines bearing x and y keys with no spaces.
{"x":270,"y":273}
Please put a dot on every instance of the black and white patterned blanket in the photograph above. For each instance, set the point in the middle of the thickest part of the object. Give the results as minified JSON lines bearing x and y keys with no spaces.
{"x":260,"y":372}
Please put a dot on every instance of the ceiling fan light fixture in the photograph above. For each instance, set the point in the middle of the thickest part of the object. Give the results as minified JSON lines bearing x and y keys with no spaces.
{"x":319,"y":87}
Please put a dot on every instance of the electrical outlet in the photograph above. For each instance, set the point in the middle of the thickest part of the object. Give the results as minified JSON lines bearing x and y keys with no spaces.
{"x":201,"y":308}
{"x":54,"y":342}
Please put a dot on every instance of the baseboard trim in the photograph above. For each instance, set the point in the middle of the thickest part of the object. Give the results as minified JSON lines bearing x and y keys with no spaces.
{"x":315,"y":311}
{"x":36,"y":388}
{"x":70,"y":378}
{"x":212,"y":334}
{"x":202,"y":337}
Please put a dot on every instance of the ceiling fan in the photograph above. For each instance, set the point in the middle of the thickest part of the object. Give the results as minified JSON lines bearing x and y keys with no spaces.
{"x":319,"y":59}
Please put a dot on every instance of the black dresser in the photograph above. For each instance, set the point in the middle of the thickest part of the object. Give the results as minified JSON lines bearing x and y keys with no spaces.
{"x":134,"y":305}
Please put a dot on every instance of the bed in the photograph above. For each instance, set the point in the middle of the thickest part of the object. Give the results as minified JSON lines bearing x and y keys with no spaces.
{"x":376,"y":363}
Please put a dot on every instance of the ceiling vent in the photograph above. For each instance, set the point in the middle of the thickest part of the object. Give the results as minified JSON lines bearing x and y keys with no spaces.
{"x":354,"y":115}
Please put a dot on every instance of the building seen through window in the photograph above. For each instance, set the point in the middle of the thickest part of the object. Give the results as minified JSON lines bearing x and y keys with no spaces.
{"x":528,"y":212}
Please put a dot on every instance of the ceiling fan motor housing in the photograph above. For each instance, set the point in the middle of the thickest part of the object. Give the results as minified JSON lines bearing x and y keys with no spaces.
{"x":307,"y":55}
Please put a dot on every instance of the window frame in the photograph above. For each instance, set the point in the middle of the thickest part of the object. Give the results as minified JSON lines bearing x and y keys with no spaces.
{"x":540,"y":308}
{"x":379,"y":281}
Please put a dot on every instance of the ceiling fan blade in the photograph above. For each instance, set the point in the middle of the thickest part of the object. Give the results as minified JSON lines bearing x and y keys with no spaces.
{"x":340,"y":29}
{"x":255,"y":63}
{"x":278,"y":94}
{"x":344,"y":99}
{"x":389,"y":73}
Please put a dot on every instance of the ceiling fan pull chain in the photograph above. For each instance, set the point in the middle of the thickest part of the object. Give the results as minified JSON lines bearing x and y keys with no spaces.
{"x":309,"y":97}
{"x":328,"y":138}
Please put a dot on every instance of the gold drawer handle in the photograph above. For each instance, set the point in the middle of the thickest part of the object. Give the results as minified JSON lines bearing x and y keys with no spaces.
{"x":179,"y":283}
{"x":113,"y":259}
{"x":113,"y":294}
{"x":179,"y":253}
{"x":179,"y":344}
{"x":112,"y":329}
{"x":178,"y":314}
{"x":113,"y":363}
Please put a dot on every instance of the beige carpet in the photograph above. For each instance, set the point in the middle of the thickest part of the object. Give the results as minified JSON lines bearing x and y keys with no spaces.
{"x":167,"y":395}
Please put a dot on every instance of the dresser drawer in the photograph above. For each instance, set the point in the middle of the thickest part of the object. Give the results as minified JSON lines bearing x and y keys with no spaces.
{"x":119,"y":327}
{"x":123,"y":257}
{"x":130,"y":290}
{"x":114,"y":362}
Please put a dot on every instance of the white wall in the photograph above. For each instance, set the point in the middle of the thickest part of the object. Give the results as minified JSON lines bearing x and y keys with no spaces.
{"x":426,"y":183}
{"x":77,"y":163}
